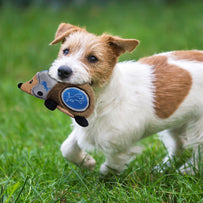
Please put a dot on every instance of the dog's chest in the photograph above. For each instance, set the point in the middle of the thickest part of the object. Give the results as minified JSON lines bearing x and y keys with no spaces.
{"x":122,"y":109}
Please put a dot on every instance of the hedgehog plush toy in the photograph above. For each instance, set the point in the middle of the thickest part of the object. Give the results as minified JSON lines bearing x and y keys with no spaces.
{"x":77,"y":101}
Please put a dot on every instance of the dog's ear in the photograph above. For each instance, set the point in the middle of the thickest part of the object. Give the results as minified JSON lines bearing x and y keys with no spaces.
{"x":120,"y":45}
{"x":63,"y":31}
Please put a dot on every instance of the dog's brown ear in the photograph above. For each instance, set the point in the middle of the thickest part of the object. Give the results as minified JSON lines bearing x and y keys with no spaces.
{"x":63,"y":31}
{"x":121,"y":45}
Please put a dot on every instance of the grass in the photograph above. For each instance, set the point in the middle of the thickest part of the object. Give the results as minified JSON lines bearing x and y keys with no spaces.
{"x":31,"y":166}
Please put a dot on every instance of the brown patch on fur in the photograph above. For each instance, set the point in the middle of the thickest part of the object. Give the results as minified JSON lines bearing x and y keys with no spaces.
{"x":172,"y":85}
{"x":189,"y":55}
{"x":101,"y":71}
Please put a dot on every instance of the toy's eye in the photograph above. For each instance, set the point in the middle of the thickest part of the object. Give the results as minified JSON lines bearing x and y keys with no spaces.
{"x":92,"y":59}
{"x":31,"y":81}
{"x":66,"y":51}
{"x":40,"y":93}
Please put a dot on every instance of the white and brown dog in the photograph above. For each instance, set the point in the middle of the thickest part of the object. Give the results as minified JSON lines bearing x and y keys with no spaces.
{"x":134,"y":99}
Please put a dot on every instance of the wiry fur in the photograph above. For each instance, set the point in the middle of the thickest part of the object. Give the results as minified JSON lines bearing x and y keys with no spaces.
{"x":125,"y":102}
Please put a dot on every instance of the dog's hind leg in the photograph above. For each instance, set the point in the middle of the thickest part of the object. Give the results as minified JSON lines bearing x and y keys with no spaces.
{"x":195,"y":140}
{"x":173,"y":141}
{"x":73,"y":153}
{"x":195,"y":163}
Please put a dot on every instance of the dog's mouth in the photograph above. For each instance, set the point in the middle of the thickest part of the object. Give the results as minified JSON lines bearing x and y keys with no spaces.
{"x":60,"y":80}
{"x":70,"y":80}
{"x":91,"y":83}
{"x":74,"y":78}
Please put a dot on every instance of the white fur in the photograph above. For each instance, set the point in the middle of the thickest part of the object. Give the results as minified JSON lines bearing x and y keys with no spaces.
{"x":124,"y":114}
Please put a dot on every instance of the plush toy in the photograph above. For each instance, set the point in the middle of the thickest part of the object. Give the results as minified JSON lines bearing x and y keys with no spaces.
{"x":77,"y":101}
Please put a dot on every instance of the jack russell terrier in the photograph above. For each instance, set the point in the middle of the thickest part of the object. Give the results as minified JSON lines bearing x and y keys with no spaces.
{"x":133,"y":99}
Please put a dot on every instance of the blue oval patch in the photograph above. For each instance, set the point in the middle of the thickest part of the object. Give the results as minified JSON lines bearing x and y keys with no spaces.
{"x":75,"y":99}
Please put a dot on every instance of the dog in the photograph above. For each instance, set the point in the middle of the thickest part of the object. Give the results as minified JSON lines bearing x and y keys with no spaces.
{"x":161,"y":94}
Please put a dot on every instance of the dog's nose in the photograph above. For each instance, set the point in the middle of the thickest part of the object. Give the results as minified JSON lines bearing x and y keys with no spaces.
{"x":64,"y":72}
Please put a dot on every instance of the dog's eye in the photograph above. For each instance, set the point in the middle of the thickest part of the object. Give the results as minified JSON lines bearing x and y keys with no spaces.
{"x":92,"y":59}
{"x":31,"y":81}
{"x":65,"y":51}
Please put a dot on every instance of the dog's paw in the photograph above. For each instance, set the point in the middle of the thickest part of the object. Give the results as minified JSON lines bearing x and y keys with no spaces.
{"x":188,"y":168}
{"x":164,"y":165}
{"x":106,"y":170}
{"x":161,"y":168}
{"x":88,"y":162}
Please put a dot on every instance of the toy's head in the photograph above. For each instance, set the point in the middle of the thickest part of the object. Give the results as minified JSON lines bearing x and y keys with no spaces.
{"x":39,"y":86}
{"x":75,"y":101}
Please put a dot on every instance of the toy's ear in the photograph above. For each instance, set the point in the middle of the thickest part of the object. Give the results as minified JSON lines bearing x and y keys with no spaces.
{"x":120,"y":45}
{"x":63,"y":31}
{"x":27,"y":86}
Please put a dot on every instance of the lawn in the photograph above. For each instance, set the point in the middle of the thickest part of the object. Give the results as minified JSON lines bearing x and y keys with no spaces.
{"x":32,"y":168}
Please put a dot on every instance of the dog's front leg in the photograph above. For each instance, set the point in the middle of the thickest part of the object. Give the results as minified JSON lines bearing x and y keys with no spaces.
{"x":73,"y":153}
{"x":116,"y":163}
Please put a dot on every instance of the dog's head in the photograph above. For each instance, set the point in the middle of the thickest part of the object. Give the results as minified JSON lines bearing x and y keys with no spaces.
{"x":86,"y":58}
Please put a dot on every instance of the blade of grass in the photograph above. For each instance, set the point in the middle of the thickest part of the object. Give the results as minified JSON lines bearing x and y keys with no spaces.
{"x":76,"y":173}
{"x":14,"y":188}
{"x":2,"y":195}
{"x":21,"y":189}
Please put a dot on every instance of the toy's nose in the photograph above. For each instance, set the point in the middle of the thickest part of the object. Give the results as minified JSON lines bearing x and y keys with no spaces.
{"x":64,"y":72}
{"x":19,"y":85}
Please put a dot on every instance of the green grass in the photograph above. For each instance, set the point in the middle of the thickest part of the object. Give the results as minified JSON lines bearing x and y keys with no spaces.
{"x":32,"y":168}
